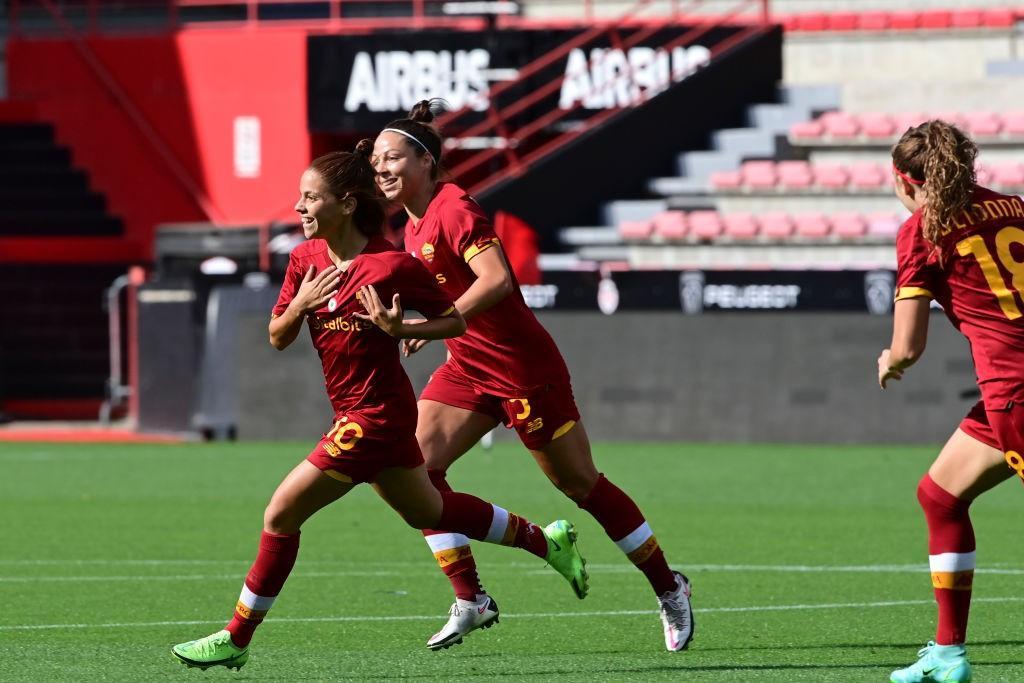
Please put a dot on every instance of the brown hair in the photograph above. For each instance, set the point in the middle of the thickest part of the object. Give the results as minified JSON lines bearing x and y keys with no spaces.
{"x":938,"y":155}
{"x":349,"y":174}
{"x":418,"y":124}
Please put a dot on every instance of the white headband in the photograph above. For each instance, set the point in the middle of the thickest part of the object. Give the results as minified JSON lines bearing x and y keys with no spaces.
{"x":413,"y":138}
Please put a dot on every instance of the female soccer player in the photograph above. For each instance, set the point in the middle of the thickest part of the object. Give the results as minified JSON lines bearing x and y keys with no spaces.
{"x":506,"y":368}
{"x":964,"y":247}
{"x":344,"y":268}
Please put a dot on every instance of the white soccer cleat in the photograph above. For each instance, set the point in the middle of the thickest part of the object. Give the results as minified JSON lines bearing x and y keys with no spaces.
{"x":465,"y":616}
{"x":677,"y":615}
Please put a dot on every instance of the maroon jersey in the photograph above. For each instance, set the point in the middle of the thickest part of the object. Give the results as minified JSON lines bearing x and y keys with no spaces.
{"x":977,"y":275}
{"x":505,"y":352}
{"x":361,"y":363}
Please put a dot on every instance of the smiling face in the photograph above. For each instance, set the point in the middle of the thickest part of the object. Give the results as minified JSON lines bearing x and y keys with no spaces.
{"x":401,"y":173}
{"x":321,"y":212}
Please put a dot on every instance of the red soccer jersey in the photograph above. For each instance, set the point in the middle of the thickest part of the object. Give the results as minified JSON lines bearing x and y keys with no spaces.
{"x":506,"y":351}
{"x":362,"y":369}
{"x":977,"y":275}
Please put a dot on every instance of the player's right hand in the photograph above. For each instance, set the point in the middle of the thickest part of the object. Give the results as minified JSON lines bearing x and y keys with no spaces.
{"x":411,"y":346}
{"x":317,"y":289}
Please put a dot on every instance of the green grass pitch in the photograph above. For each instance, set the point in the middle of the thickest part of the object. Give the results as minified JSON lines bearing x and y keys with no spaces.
{"x":808,"y":564}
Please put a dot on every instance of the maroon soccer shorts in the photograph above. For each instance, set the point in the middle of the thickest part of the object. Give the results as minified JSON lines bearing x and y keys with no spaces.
{"x":1001,"y":429}
{"x":354,"y":451}
{"x":539,"y":418}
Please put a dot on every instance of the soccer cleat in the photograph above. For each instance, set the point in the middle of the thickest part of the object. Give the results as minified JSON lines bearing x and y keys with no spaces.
{"x":677,"y":615}
{"x":465,"y":616}
{"x":564,"y":556}
{"x":213,"y":650}
{"x":936,"y":664}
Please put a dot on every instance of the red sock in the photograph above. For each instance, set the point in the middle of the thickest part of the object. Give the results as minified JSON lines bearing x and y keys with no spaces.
{"x":274,"y":562}
{"x":453,"y":553}
{"x":625,"y":524}
{"x":484,"y":521}
{"x":950,"y":557}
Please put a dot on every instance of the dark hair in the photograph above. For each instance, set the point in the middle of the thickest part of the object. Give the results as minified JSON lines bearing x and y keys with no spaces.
{"x":941,"y":157}
{"x":418,"y":124}
{"x":349,"y":174}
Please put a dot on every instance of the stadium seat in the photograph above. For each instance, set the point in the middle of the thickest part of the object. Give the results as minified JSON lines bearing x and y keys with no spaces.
{"x":830,"y":176}
{"x":671,"y":225}
{"x":849,"y":225}
{"x":982,"y":124}
{"x":776,"y":225}
{"x":1007,"y":174}
{"x":935,"y":19}
{"x":910,"y":119}
{"x":839,"y":125}
{"x":740,"y":226}
{"x":794,"y":175}
{"x":998,"y":18}
{"x":966,"y":18}
{"x":843,"y":21}
{"x":883,"y":224}
{"x":876,"y":125}
{"x":867,"y":176}
{"x":726,"y":180}
{"x":807,"y":129}
{"x":1013,"y":123}
{"x":705,"y":225}
{"x":904,"y":21}
{"x":635,"y":230}
{"x":873,"y":21}
{"x":811,"y":225}
{"x":812,"y":21}
{"x":759,"y":175}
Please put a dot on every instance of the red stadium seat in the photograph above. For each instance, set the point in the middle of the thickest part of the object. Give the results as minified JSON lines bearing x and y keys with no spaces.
{"x":883,"y":224}
{"x":830,"y":176}
{"x":998,"y":18}
{"x":759,"y":175}
{"x":867,"y":176}
{"x":671,"y":225}
{"x":704,"y":224}
{"x":874,"y":21}
{"x":794,"y":175}
{"x":740,"y":226}
{"x":776,"y":225}
{"x":904,"y":21}
{"x":807,"y":129}
{"x":812,"y":225}
{"x":936,"y":19}
{"x":966,"y":18}
{"x":849,"y":225}
{"x":982,"y":123}
{"x":812,"y":21}
{"x":726,"y":180}
{"x":843,"y":21}
{"x":635,"y":230}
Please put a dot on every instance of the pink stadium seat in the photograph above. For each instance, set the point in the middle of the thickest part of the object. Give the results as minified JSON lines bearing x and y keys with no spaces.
{"x":843,"y":21}
{"x":671,"y":225}
{"x":953,"y":117}
{"x":936,"y":19}
{"x":966,"y":18}
{"x":776,"y":225}
{"x":704,"y":224}
{"x":740,"y":226}
{"x":1007,"y":174}
{"x":811,"y":225}
{"x":726,"y":180}
{"x":883,"y":224}
{"x":830,"y":176}
{"x":867,"y":176}
{"x":904,"y":21}
{"x":848,"y":225}
{"x":807,"y":129}
{"x":909,"y":119}
{"x":982,"y":123}
{"x":759,"y":175}
{"x":635,"y":230}
{"x":876,"y":125}
{"x":1013,"y":123}
{"x":998,"y":18}
{"x":794,"y":175}
{"x":840,"y":125}
{"x":874,"y":21}
{"x":812,"y":21}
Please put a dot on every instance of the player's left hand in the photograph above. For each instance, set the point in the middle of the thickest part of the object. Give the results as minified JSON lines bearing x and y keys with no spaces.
{"x":885,"y":371}
{"x":387,"y":319}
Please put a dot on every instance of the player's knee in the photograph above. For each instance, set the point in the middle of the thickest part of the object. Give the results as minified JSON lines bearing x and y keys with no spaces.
{"x":576,"y":486}
{"x":280,"y":519}
{"x":419,"y":519}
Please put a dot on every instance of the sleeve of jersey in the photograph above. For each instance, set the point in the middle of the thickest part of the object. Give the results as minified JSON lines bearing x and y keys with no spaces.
{"x":420,"y":292}
{"x":916,"y":270}
{"x":468,"y":230}
{"x":292,"y":280}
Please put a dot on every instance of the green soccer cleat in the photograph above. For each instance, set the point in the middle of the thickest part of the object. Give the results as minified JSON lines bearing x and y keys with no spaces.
{"x":213,"y":650}
{"x":564,"y":556}
{"x":936,"y":664}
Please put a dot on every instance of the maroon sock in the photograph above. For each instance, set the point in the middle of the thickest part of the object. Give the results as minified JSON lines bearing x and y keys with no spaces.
{"x":274,"y":562}
{"x":484,"y":521}
{"x":453,"y":553}
{"x":625,"y":525}
{"x":951,"y":556}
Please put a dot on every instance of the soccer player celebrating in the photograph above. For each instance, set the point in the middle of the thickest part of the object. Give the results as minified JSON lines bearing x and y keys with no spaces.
{"x":506,"y":368}
{"x":337,"y":282}
{"x":964,"y":247}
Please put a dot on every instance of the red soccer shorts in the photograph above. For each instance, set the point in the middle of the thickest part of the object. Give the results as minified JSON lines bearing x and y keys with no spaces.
{"x":1001,"y":429}
{"x":355,"y":452}
{"x":539,"y":417}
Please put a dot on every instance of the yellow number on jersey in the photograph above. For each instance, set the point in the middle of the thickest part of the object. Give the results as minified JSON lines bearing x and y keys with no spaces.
{"x":1005,"y":238}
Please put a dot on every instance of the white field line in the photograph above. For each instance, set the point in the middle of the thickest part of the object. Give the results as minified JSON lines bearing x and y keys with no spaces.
{"x":537,"y":615}
{"x":425,"y":568}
